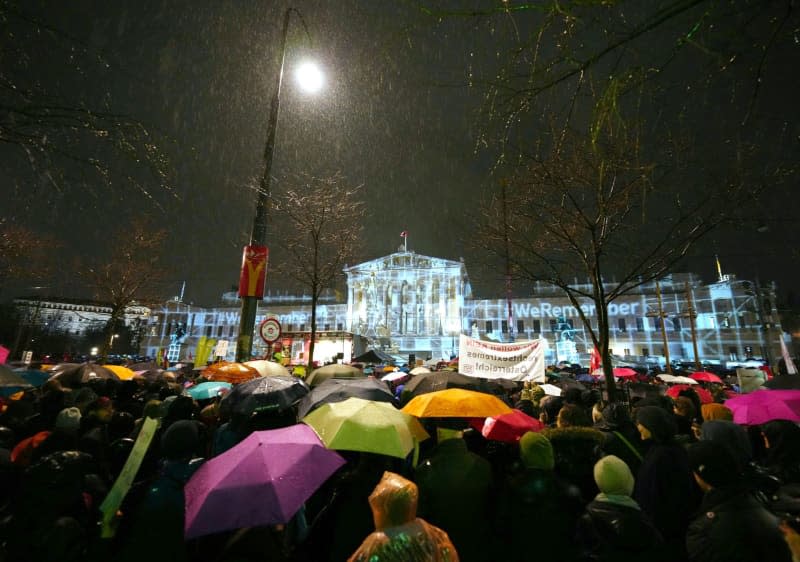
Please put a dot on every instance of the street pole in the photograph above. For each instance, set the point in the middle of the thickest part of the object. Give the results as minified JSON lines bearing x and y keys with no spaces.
{"x":660,"y":314}
{"x":692,"y":314}
{"x":258,"y":236}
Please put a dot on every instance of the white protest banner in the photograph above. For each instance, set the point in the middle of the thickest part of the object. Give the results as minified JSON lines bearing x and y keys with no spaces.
{"x":518,"y":361}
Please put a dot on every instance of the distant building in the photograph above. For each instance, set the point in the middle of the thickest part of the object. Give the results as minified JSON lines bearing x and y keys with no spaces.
{"x":409,"y":304}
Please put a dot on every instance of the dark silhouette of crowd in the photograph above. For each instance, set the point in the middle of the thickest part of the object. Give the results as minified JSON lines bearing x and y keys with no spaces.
{"x":650,"y":478}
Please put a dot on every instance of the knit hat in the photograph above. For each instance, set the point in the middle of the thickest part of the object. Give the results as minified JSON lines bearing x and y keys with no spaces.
{"x":536,"y":451}
{"x":68,"y":420}
{"x":180,"y":440}
{"x":716,"y":411}
{"x":660,"y":423}
{"x":613,"y":476}
{"x":713,"y":462}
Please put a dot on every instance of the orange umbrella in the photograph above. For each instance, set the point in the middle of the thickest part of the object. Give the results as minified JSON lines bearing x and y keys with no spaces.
{"x":456,"y":403}
{"x":233,"y":373}
{"x":123,"y":373}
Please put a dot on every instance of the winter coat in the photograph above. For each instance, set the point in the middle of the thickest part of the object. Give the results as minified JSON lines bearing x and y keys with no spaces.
{"x":610,"y":532}
{"x":576,"y":450}
{"x":537,"y":501}
{"x":455,"y":490}
{"x":732,"y":526}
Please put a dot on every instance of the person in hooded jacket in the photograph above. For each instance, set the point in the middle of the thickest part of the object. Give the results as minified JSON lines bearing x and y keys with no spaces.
{"x":401,"y":536}
{"x":782,"y":448}
{"x":664,"y":487}
{"x":731,"y":525}
{"x":535,"y":499}
{"x":622,"y":439}
{"x":613,"y":527}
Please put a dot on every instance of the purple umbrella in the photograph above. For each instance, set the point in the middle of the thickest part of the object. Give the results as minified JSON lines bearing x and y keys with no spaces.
{"x":762,"y":406}
{"x":264,"y":480}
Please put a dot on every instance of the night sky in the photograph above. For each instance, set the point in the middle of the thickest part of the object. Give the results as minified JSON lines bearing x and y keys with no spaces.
{"x":406,"y":112}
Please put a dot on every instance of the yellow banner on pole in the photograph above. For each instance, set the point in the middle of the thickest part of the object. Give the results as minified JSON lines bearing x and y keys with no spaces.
{"x":124,"y":481}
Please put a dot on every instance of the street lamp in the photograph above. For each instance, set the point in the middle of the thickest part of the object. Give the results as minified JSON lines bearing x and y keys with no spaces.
{"x":254,"y":257}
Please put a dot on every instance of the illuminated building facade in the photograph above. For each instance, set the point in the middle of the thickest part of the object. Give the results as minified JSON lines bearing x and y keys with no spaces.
{"x":406,"y":303}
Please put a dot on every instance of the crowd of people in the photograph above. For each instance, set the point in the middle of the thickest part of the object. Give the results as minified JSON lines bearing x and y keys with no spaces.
{"x":643,"y":478}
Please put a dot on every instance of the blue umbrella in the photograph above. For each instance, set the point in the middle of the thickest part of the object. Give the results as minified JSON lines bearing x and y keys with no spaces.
{"x":34,"y":377}
{"x":206,"y":390}
{"x":585,"y":377}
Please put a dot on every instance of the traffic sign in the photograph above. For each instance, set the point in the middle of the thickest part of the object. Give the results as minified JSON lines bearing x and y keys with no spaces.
{"x":270,"y":329}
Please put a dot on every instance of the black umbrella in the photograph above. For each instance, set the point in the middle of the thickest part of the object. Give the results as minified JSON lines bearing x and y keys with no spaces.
{"x":783,"y":382}
{"x":333,"y":371}
{"x":441,"y":380}
{"x":338,"y":390}
{"x":75,"y":374}
{"x":264,"y":394}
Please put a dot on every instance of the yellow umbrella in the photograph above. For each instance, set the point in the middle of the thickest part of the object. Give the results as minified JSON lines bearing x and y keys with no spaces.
{"x":456,"y":403}
{"x":233,"y":373}
{"x":123,"y":373}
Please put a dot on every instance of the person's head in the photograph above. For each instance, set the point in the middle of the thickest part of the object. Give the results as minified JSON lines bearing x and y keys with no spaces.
{"x":101,"y":409}
{"x":613,"y":476}
{"x":713,"y":465}
{"x":181,"y":440}
{"x":782,"y":441}
{"x":393,"y":501}
{"x":616,"y":416}
{"x":684,"y":407}
{"x":536,"y":451}
{"x":732,"y":436}
{"x":653,"y":422}
{"x":68,"y":421}
{"x":714,"y":411}
{"x":572,"y":415}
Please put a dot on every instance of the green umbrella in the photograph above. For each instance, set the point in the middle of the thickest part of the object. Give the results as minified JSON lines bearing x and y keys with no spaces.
{"x":363,"y":425}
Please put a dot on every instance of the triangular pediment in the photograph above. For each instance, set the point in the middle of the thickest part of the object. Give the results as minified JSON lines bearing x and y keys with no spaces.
{"x":403,"y":260}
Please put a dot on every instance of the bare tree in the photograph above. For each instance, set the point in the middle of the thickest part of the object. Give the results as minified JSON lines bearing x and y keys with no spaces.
{"x":132,"y":274}
{"x":67,"y":140}
{"x":321,"y":233}
{"x":591,"y":208}
{"x":23,"y":253}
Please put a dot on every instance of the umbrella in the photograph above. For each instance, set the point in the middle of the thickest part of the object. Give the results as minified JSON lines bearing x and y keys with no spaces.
{"x":124,"y":373}
{"x":34,"y":377}
{"x":74,"y":374}
{"x":206,"y":390}
{"x":683,"y":380}
{"x":338,"y":390}
{"x":396,"y":376}
{"x":10,"y":378}
{"x":263,"y":480}
{"x":619,"y":372}
{"x":762,"y":406}
{"x":268,"y":368}
{"x":440,"y":380}
{"x":550,"y":389}
{"x":229,"y":372}
{"x":585,"y":377}
{"x":333,"y":371}
{"x":566,"y":384}
{"x":150,"y":375}
{"x":507,"y":427}
{"x":667,"y":378}
{"x":143,"y":366}
{"x":705,"y":395}
{"x":456,"y":403}
{"x":364,"y":425}
{"x":780,"y":382}
{"x":419,"y":371}
{"x":705,"y":376}
{"x":263,"y":394}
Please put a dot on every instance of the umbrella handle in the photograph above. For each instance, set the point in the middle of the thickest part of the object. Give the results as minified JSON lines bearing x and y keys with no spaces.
{"x":415,"y":458}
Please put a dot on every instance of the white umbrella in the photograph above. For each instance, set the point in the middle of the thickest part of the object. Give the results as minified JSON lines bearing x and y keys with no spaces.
{"x":419,"y":370}
{"x":667,"y":378}
{"x":550,"y":389}
{"x":393,"y":376}
{"x":685,"y":380}
{"x":268,"y":368}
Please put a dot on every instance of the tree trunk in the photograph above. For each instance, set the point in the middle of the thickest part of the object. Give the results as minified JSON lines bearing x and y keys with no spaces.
{"x":311,"y":345}
{"x":601,"y":306}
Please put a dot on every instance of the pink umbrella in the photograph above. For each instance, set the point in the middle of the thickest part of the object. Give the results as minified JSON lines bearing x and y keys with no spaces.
{"x":705,"y":395}
{"x":762,"y":406}
{"x":264,"y":480}
{"x":705,"y":376}
{"x":508,"y":428}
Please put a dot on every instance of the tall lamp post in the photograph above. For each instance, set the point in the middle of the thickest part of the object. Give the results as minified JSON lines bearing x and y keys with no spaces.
{"x":255,"y":254}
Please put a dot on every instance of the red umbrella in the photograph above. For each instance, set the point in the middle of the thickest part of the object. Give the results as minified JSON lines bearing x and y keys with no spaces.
{"x":619,"y":372}
{"x":507,"y":427}
{"x":705,"y":376}
{"x":705,"y":395}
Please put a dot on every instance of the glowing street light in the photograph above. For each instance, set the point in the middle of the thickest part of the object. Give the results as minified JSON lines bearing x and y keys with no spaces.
{"x":254,"y":257}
